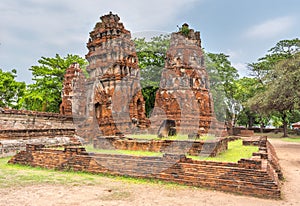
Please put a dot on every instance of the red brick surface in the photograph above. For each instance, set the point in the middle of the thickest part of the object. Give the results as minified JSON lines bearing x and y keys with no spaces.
{"x":254,"y":177}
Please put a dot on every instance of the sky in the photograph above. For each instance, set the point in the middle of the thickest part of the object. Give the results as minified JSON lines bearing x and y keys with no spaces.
{"x":244,"y":30}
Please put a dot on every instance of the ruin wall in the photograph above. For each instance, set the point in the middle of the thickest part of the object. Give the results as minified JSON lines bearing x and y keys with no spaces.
{"x":21,"y":127}
{"x":254,"y":177}
{"x":192,"y":147}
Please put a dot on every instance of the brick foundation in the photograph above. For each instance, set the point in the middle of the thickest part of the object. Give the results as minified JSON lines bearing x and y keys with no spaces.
{"x":205,"y":148}
{"x":257,"y":176}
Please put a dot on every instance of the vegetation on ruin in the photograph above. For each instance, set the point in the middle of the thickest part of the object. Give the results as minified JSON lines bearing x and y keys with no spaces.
{"x":91,"y":149}
{"x":235,"y":152}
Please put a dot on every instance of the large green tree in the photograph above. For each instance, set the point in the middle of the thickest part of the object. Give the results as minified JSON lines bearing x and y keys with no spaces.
{"x":267,"y":71}
{"x":10,"y":90}
{"x":246,"y":88}
{"x":282,"y":91}
{"x":223,"y":88}
{"x":151,"y":55}
{"x":45,"y":93}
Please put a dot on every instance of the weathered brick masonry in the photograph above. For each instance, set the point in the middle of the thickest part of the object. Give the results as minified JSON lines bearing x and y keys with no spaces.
{"x":20,"y":127}
{"x":115,"y":100}
{"x":257,"y":176}
{"x":184,"y":95}
{"x":192,"y":147}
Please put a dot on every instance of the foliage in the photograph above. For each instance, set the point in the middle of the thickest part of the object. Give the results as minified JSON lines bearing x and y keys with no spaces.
{"x":222,"y":77}
{"x":185,"y":30}
{"x":284,"y":49}
{"x":149,"y":97}
{"x":151,"y":56}
{"x":10,"y":90}
{"x":282,"y":90}
{"x":45,"y":93}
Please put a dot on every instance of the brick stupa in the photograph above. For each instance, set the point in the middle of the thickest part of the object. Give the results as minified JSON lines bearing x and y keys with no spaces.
{"x":184,"y":94}
{"x":114,"y":79}
{"x":73,"y":89}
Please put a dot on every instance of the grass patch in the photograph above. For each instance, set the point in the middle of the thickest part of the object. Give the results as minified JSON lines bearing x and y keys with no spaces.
{"x":278,"y":135}
{"x":176,"y":137}
{"x":90,"y":148}
{"x":13,"y":175}
{"x":290,"y":139}
{"x":19,"y":175}
{"x":235,"y":152}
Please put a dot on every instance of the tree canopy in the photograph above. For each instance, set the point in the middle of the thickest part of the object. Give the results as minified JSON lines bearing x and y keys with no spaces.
{"x":151,"y":55}
{"x":10,"y":90}
{"x":45,"y":93}
{"x":280,"y":81}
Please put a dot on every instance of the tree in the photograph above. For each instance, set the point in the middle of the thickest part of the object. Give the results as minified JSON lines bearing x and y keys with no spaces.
{"x":45,"y":93}
{"x":246,"y":88}
{"x":222,"y":76}
{"x":10,"y":90}
{"x":282,"y":93}
{"x":284,"y":49}
{"x":151,"y":56}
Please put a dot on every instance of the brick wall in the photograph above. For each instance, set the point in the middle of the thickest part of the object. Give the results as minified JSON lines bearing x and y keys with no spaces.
{"x":21,"y":127}
{"x":21,"y":119}
{"x":255,"y":177}
{"x":192,"y":147}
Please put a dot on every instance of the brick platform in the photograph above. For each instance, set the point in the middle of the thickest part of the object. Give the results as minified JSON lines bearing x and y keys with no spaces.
{"x":257,"y":176}
{"x":193,"y":147}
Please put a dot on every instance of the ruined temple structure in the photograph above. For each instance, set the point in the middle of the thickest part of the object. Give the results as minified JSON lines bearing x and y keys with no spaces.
{"x":73,"y":87}
{"x":184,"y":95}
{"x":115,"y":97}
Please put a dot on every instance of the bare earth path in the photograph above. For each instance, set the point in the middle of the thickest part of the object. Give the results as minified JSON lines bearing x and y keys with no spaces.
{"x":112,"y":192}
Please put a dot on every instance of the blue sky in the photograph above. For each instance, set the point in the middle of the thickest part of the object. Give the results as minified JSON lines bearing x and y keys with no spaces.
{"x":245,"y":30}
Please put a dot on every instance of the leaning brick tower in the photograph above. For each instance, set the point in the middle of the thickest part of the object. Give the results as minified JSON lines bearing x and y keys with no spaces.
{"x":116,"y":100}
{"x":184,"y":95}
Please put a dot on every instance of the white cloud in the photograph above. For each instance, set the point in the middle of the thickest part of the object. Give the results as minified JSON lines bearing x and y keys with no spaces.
{"x":242,"y":68}
{"x":271,"y":28}
{"x":35,"y":28}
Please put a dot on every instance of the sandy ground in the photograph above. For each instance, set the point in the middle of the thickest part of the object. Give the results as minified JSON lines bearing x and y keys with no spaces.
{"x":112,"y":192}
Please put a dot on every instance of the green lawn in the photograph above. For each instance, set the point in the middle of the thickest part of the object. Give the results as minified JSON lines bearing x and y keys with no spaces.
{"x":235,"y":152}
{"x":19,"y":175}
{"x":90,"y":148}
{"x":290,"y":138}
{"x":177,"y":137}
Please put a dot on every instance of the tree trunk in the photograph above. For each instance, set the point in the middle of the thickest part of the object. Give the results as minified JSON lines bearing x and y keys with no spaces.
{"x":285,"y":125}
{"x":262,"y":125}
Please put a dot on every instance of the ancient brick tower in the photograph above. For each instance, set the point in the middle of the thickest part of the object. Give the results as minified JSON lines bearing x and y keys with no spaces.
{"x":184,"y":95}
{"x":116,"y":99}
{"x":73,"y":85}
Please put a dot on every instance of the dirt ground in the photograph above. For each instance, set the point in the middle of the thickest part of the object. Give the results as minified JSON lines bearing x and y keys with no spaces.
{"x":113,"y":192}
